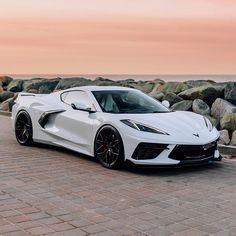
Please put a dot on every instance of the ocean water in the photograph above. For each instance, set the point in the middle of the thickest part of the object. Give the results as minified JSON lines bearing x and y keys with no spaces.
{"x":217,"y":78}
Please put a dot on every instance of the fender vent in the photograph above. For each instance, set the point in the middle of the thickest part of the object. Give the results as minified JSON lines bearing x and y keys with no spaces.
{"x":44,"y":117}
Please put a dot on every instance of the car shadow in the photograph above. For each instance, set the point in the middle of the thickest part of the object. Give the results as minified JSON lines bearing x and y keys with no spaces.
{"x":170,"y":171}
{"x":145,"y":171}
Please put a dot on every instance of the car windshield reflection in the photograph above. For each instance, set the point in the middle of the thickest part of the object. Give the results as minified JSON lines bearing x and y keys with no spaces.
{"x":127,"y":101}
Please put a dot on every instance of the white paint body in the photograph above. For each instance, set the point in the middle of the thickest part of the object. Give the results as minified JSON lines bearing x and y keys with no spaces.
{"x":76,"y":130}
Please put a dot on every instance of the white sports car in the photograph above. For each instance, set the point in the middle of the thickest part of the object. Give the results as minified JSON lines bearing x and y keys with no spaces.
{"x":115,"y":124}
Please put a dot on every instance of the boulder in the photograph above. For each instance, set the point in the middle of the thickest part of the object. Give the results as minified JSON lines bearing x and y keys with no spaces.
{"x":44,"y":90}
{"x":220,"y":107}
{"x":129,"y":80}
{"x":4,"y":106}
{"x":198,"y":83}
{"x":33,"y":91}
{"x":172,"y":87}
{"x":200,"y":107}
{"x":207,"y":93}
{"x":6,"y":95}
{"x":72,"y":82}
{"x":1,"y":88}
{"x":5,"y":80}
{"x":36,"y":83}
{"x":215,"y":122}
{"x":158,"y":85}
{"x":220,"y":88}
{"x":182,"y":106}
{"x":233,"y":139}
{"x":156,"y":95}
{"x":8,"y":104}
{"x":224,"y":137}
{"x":172,"y":98}
{"x":100,"y":81}
{"x":228,"y":122}
{"x":15,"y":85}
{"x":145,"y":86}
{"x":230,"y":92}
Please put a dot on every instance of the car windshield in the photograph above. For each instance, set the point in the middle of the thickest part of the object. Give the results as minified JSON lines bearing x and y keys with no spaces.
{"x":127,"y":101}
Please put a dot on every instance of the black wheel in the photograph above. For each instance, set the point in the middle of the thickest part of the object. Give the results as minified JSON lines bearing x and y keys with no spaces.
{"x":23,"y":128}
{"x":109,"y":147}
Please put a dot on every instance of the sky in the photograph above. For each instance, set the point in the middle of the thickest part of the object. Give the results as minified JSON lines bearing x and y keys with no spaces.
{"x":118,"y":37}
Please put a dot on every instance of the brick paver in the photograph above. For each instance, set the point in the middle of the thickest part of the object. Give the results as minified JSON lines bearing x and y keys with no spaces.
{"x":49,"y":191}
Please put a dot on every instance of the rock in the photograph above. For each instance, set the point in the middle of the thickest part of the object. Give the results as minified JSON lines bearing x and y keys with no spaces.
{"x":215,"y":122}
{"x":233,"y":139}
{"x":72,"y":82}
{"x":44,"y":90}
{"x":220,"y":107}
{"x":207,"y":93}
{"x":15,"y":85}
{"x":145,"y":86}
{"x":36,"y":83}
{"x":230,"y":92}
{"x":1,"y":88}
{"x":228,"y":122}
{"x":8,"y":104}
{"x":33,"y":91}
{"x":220,"y":88}
{"x":224,"y":137}
{"x":129,"y":80}
{"x":4,"y":106}
{"x":172,"y":87}
{"x":158,"y":85}
{"x":182,"y":106}
{"x":101,"y":79}
{"x":198,"y":83}
{"x":6,"y":95}
{"x":172,"y":98}
{"x":156,"y":95}
{"x":200,"y":107}
{"x":5,"y":80}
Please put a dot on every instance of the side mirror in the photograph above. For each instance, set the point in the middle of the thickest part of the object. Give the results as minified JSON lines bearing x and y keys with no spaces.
{"x":81,"y":107}
{"x":166,"y":103}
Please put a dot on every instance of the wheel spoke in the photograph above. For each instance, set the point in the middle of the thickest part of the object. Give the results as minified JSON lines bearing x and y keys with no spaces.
{"x":100,"y":153}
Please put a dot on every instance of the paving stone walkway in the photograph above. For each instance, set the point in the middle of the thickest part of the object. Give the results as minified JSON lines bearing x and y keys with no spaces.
{"x":46,"y":191}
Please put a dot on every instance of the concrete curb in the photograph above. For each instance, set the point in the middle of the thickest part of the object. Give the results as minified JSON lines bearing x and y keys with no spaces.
{"x":227,"y":149}
{"x":5,"y":113}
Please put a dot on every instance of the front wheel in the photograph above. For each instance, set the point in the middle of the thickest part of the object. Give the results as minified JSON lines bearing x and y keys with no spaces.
{"x":109,"y":147}
{"x":23,"y":129}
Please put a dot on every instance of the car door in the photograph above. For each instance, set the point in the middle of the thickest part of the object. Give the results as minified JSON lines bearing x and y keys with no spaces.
{"x":74,"y":126}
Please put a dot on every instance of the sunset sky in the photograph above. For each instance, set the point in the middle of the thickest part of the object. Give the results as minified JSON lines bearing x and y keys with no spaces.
{"x":118,"y":36}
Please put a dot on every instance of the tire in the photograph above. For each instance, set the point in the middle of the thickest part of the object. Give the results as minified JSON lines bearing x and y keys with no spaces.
{"x":23,"y":129}
{"x":108,"y":147}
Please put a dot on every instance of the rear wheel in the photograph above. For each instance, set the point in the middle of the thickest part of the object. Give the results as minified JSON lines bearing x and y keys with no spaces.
{"x":23,"y":128}
{"x":109,"y":147}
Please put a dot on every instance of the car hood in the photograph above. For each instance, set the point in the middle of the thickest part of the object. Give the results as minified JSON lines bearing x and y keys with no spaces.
{"x":170,"y":122}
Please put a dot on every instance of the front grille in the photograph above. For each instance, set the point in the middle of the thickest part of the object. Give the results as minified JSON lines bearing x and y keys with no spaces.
{"x":146,"y":151}
{"x":193,"y":152}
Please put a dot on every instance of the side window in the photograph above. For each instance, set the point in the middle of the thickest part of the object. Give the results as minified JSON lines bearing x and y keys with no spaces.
{"x":76,"y":96}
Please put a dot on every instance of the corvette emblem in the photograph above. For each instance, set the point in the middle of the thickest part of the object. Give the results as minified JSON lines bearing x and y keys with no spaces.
{"x":197,"y":135}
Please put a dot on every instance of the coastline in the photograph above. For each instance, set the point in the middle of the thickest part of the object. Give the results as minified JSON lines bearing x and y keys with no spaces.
{"x":136,"y":77}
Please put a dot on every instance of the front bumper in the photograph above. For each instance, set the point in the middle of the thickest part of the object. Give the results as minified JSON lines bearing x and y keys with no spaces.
{"x":175,"y":155}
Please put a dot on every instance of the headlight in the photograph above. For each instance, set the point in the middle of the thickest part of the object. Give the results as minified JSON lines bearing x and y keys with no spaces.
{"x":208,"y":124}
{"x":141,"y":127}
